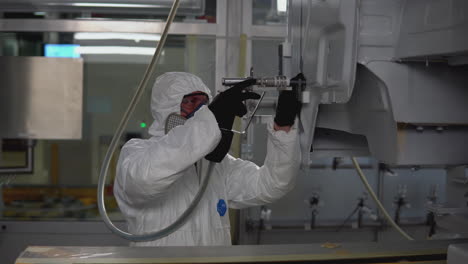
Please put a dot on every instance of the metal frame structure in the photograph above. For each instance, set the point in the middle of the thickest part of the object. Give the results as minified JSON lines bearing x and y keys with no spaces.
{"x":257,"y":31}
{"x":95,"y":25}
{"x":222,"y":30}
{"x":221,"y":42}
{"x":135,"y":7}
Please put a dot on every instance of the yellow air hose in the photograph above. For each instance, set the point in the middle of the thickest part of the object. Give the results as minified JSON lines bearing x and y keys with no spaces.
{"x":377,"y":201}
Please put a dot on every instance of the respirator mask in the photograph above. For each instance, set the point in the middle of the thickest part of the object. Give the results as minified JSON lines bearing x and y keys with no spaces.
{"x":173,"y":120}
{"x":190,"y":104}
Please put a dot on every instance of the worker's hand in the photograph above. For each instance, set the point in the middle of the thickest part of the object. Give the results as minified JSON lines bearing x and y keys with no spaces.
{"x":226,"y":106}
{"x":289,"y":105}
{"x":229,"y":104}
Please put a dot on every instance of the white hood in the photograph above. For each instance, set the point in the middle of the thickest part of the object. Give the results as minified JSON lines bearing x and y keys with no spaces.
{"x":167,"y":94}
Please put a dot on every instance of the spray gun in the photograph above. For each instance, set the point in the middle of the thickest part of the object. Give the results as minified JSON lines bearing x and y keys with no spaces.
{"x":264,"y":84}
{"x":313,"y":202}
{"x":364,"y":210}
{"x":400,"y":201}
{"x":265,"y":214}
{"x":275,"y":82}
{"x":361,"y":209}
{"x":430,"y":217}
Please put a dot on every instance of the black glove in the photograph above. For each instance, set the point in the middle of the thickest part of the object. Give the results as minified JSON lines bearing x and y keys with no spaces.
{"x":218,"y":154}
{"x":225,"y":107}
{"x":289,"y":105}
{"x":228,"y":104}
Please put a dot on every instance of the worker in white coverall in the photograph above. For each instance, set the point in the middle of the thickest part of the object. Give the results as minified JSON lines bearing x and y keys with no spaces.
{"x":157,"y":177}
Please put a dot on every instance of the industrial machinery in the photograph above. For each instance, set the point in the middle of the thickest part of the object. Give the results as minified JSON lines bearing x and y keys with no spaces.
{"x":384,"y":70}
{"x":394,"y":72}
{"x":409,"y":92}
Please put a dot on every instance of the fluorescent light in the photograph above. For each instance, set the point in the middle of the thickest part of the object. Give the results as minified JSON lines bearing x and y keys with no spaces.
{"x":103,"y":5}
{"x":281,"y":5}
{"x":111,"y":5}
{"x":115,"y":50}
{"x":128,"y":36}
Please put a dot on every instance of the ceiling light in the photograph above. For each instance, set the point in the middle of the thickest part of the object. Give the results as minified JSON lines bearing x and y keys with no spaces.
{"x":103,"y":5}
{"x":115,"y":50}
{"x":281,"y":5}
{"x":129,"y":36}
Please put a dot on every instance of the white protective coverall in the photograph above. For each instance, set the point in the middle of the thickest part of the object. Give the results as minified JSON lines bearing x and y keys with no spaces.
{"x":157,"y":180}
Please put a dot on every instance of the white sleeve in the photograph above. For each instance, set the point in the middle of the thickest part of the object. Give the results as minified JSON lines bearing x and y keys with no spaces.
{"x":147,"y":168}
{"x":250,"y":185}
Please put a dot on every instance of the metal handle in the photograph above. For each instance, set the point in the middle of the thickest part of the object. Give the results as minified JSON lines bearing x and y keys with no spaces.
{"x":277,"y":82}
{"x":250,"y":120}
